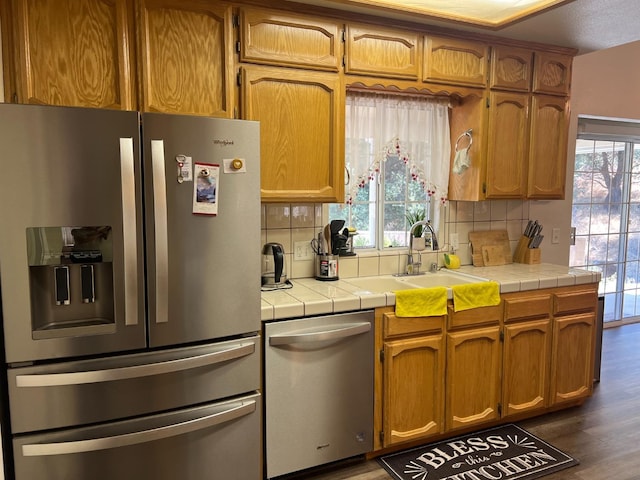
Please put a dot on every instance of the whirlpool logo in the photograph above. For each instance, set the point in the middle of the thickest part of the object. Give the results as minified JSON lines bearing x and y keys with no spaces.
{"x":223,"y":143}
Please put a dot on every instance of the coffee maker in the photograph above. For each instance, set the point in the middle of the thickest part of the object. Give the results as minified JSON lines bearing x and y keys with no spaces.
{"x":273,"y":266}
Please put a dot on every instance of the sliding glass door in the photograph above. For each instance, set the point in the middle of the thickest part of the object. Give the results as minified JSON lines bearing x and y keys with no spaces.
{"x":606,"y":216}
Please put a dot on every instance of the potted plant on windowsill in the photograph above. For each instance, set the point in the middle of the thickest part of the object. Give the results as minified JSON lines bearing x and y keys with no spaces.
{"x":417,"y":241}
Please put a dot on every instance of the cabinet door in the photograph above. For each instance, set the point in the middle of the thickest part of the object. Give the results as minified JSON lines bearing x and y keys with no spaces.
{"x":450,"y":60}
{"x":470,"y":113}
{"x":381,"y":52}
{"x":572,"y":357}
{"x":186,"y":57}
{"x":552,"y":73}
{"x":413,"y":389}
{"x":280,"y":38}
{"x":526,"y":358}
{"x":301,"y":116}
{"x":75,"y":53}
{"x":548,"y":147}
{"x":473,"y":377}
{"x":507,"y":145}
{"x":511,"y":68}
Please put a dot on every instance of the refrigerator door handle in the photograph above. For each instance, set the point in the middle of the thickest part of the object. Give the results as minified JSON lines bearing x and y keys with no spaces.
{"x":135,"y":371}
{"x":330,"y":332}
{"x":127,"y":178}
{"x":237,"y":410}
{"x":161,"y":294}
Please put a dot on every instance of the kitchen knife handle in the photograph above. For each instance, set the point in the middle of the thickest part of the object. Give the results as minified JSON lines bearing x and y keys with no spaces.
{"x":161,"y":293}
{"x":130,"y":280}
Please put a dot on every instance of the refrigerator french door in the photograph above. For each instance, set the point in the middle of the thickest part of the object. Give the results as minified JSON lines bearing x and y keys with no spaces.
{"x":129,"y":282}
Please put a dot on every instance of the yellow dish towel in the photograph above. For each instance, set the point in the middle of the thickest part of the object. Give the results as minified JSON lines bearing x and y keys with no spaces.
{"x":421,"y":302}
{"x":474,"y":295}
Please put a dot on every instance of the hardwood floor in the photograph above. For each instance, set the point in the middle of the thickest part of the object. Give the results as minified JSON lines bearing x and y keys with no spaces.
{"x":603,"y":434}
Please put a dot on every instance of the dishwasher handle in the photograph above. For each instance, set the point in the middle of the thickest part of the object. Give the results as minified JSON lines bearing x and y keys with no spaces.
{"x":331,"y":332}
{"x":134,"y":438}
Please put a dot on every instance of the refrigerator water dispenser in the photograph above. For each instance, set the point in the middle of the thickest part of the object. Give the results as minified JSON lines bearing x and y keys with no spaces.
{"x":70,"y":281}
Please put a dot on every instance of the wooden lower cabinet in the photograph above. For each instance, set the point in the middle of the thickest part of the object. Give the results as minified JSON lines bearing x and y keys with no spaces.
{"x":473,"y":377}
{"x":475,"y":368}
{"x":414,"y":388}
{"x":572,"y":357}
{"x":526,"y":361}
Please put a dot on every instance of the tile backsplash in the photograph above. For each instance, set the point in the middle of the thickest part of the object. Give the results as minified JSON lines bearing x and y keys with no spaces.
{"x":294,"y":225}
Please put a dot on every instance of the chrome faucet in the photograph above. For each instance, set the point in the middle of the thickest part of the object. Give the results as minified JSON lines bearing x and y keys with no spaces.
{"x":413,"y":268}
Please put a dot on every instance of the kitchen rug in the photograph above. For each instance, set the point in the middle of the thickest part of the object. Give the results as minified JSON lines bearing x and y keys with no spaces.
{"x":506,"y":452}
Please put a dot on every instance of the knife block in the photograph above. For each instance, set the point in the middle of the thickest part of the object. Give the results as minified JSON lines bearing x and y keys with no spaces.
{"x":524,"y":254}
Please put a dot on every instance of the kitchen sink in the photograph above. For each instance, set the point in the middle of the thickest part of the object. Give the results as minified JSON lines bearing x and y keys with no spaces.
{"x":380,"y":284}
{"x":441,"y":279}
{"x":388,"y":283}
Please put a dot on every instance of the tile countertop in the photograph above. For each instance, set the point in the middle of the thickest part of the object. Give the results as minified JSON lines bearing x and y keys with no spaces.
{"x":309,"y":296}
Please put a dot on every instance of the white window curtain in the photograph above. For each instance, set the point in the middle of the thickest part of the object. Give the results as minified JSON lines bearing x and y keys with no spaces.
{"x":414,"y":128}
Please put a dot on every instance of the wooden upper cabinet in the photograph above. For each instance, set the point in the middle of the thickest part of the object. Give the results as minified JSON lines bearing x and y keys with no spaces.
{"x":507,"y":145}
{"x":552,"y":73}
{"x":280,"y":38}
{"x":301,"y":116}
{"x":383,"y":52}
{"x":511,"y":68}
{"x":74,"y":52}
{"x":548,"y":147}
{"x":186,"y":57}
{"x":455,"y":61}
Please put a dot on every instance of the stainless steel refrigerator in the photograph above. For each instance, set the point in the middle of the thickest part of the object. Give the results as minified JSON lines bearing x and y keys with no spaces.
{"x":130,"y":293}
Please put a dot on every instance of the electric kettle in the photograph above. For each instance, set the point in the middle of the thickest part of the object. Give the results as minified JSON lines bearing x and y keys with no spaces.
{"x":273,"y":271}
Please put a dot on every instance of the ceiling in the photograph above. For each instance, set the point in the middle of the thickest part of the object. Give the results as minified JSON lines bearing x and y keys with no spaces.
{"x":586,"y":25}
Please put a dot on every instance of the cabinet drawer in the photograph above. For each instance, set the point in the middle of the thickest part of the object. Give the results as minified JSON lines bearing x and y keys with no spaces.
{"x":574,"y":302}
{"x":474,"y":316}
{"x":527,"y":307}
{"x":394,"y":326}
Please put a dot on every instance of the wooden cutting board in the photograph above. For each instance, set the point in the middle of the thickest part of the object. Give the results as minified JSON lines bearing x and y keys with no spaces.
{"x":490,"y":248}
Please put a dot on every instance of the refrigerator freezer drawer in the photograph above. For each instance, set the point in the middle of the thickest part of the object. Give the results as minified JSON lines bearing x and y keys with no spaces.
{"x":77,"y":393}
{"x":219,"y":441}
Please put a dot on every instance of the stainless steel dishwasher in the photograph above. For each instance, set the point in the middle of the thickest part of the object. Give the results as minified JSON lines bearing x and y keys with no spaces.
{"x":318,"y":390}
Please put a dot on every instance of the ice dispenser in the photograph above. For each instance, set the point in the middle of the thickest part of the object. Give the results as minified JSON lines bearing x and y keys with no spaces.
{"x":70,"y":280}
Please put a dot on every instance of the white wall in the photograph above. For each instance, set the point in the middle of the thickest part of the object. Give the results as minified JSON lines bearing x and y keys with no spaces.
{"x":604,"y":83}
